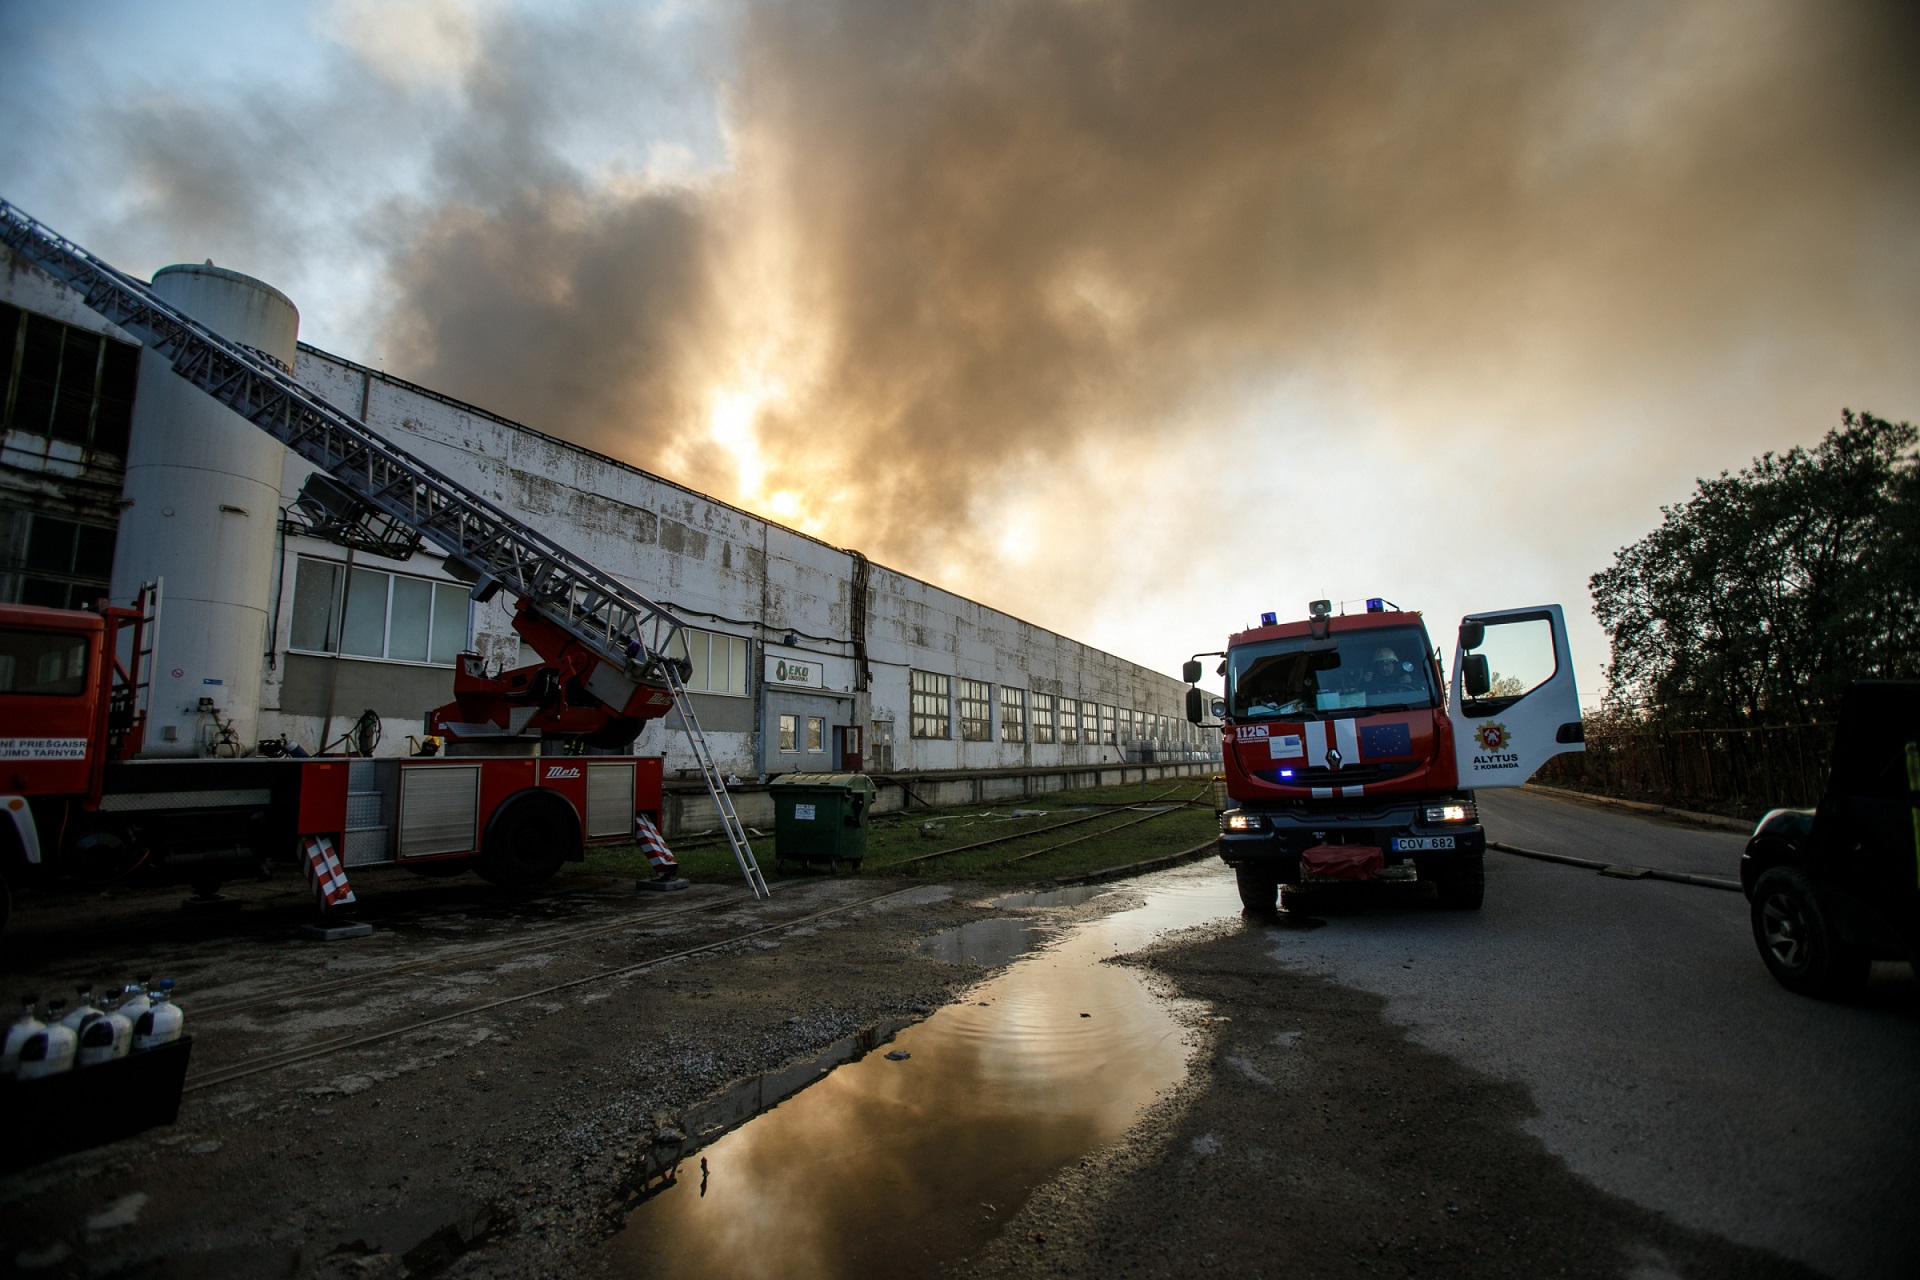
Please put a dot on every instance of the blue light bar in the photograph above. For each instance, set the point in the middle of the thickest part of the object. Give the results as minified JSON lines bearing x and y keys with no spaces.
{"x":1269,"y":619}
{"x":1286,"y":773}
{"x":1376,"y":605}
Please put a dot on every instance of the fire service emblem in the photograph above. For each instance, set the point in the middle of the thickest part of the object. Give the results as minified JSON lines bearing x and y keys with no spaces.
{"x":1492,"y":737}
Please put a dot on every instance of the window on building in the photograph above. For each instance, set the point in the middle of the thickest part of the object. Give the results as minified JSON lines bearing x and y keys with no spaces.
{"x":932,"y":705}
{"x":65,"y":383}
{"x":1089,"y":723}
{"x":789,"y":733}
{"x":1109,"y":728}
{"x":374,"y":614}
{"x":719,"y":661}
{"x":1013,"y":714}
{"x":976,"y":710}
{"x":1069,"y":722}
{"x":1042,"y":719}
{"x":55,"y":563}
{"x":816,"y":733}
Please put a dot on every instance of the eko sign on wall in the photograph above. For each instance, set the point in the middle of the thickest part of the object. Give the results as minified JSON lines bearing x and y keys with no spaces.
{"x":795,"y":671}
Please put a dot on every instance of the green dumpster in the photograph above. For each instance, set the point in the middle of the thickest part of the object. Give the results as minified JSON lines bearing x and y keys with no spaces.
{"x":821,"y":817}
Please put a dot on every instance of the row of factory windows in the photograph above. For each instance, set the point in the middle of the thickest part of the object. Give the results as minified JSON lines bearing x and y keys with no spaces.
{"x":1023,"y":713}
{"x":65,"y":383}
{"x":397,"y":617}
{"x":370,"y":613}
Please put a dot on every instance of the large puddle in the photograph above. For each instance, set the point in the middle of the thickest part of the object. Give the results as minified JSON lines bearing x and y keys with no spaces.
{"x":898,"y":1165}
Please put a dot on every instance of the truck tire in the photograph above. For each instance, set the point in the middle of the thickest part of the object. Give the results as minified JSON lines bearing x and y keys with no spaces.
{"x":1259,"y":888}
{"x":1463,"y":885}
{"x":527,"y":840}
{"x":1798,"y":941}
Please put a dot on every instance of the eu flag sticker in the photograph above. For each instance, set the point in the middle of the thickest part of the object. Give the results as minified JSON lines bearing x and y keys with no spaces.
{"x":1378,"y":741}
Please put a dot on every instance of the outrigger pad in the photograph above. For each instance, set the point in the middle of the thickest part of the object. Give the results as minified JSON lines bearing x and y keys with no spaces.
{"x":336,"y":931}
{"x":661,"y":886}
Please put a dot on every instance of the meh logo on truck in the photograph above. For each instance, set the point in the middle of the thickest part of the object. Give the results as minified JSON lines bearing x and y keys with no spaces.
{"x":562,"y":771}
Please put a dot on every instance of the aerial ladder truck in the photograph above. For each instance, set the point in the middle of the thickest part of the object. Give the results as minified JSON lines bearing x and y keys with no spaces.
{"x":76,"y":797}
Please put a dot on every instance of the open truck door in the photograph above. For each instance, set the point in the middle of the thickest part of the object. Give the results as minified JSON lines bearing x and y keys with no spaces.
{"x":1513,"y":704}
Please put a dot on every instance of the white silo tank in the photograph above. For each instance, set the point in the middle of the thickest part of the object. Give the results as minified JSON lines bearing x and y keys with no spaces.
{"x":202,"y":498}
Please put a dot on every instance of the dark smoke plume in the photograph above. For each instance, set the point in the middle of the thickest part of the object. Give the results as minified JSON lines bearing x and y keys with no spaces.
{"x":966,"y":240}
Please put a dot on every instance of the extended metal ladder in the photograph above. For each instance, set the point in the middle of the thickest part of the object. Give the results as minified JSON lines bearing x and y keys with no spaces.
{"x":716,"y":785}
{"x":625,"y":629}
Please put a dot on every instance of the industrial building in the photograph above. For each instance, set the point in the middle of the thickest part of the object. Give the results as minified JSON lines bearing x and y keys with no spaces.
{"x":806,"y":657}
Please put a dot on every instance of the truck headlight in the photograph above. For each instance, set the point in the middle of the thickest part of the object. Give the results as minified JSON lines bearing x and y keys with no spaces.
{"x":1241,"y":820}
{"x":1454,"y":811}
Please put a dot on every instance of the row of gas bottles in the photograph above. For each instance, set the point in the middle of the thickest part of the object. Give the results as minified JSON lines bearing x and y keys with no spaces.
{"x":119,"y":1021}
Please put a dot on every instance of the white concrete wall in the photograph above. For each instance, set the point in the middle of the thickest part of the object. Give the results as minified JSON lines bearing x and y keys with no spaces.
{"x":718,"y":566}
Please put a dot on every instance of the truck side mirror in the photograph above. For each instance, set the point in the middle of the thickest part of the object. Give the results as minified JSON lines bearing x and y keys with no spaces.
{"x":1474,"y":673}
{"x":1472,"y":634}
{"x":1190,"y":672}
{"x":1196,"y":704}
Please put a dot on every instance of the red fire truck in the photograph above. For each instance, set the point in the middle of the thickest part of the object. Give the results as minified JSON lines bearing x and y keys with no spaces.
{"x":1349,"y":756}
{"x":77,"y":799}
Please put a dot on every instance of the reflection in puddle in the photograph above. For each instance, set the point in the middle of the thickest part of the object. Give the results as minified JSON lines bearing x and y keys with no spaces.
{"x":1071,"y":896}
{"x":902,"y":1166}
{"x":987,"y":942}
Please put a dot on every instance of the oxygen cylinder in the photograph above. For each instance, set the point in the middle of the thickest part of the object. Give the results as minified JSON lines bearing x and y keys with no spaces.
{"x":17,"y":1034}
{"x":161,"y":1023}
{"x":137,"y":999}
{"x":83,"y":1008}
{"x":50,"y":1050}
{"x":106,"y":1037}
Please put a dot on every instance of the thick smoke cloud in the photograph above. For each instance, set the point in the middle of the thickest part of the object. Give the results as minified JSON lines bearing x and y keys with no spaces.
{"x":956,"y":243}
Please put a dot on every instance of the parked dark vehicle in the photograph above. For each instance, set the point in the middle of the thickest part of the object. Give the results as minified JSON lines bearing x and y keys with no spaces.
{"x":1835,"y":888}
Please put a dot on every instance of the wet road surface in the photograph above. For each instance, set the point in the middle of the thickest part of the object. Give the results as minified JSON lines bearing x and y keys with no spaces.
{"x":1663,"y":1066}
{"x":1667,"y":1066}
{"x":909,"y":1159}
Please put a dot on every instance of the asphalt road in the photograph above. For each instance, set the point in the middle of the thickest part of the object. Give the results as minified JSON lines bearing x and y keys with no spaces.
{"x":1667,"y":1066}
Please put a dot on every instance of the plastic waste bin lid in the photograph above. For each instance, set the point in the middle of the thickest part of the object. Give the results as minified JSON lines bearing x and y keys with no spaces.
{"x":827,"y":781}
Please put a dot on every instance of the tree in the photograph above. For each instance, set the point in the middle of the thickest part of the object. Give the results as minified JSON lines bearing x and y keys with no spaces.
{"x":1758,"y":599}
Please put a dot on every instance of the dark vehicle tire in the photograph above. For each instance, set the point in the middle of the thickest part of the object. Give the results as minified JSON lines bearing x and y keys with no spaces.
{"x":526,"y":843}
{"x":1798,"y":941}
{"x":1259,"y":889}
{"x":1463,"y":886}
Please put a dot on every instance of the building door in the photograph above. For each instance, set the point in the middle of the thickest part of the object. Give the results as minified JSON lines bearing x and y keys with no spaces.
{"x":847,"y":756}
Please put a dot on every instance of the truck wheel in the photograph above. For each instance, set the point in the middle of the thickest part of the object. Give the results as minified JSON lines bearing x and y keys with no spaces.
{"x":1798,"y":941}
{"x":1259,"y":890}
{"x":1463,"y":886}
{"x":526,"y":842}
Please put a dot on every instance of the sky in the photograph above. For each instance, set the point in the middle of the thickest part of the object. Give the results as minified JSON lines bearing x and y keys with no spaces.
{"x":1133,"y":319}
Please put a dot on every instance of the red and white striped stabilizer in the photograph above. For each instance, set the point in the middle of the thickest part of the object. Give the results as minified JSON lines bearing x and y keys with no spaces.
{"x":324,"y":872}
{"x":648,"y":837}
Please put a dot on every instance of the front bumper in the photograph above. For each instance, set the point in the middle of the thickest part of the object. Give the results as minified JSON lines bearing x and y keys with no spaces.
{"x":1288,"y":830}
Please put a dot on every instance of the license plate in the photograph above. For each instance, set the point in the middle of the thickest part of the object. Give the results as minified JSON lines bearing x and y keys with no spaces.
{"x":1422,"y":844}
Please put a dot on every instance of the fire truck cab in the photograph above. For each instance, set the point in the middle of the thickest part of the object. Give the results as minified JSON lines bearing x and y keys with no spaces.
{"x":1350,"y":756}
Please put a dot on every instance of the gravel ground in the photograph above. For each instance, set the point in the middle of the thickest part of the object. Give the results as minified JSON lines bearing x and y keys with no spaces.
{"x":489,"y":1146}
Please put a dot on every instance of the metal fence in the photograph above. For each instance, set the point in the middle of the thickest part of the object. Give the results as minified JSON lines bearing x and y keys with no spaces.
{"x":1741,"y":771}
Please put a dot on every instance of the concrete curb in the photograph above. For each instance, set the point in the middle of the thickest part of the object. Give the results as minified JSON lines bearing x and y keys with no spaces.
{"x":1142,"y":868}
{"x":1688,"y":815}
{"x":1620,"y":871}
